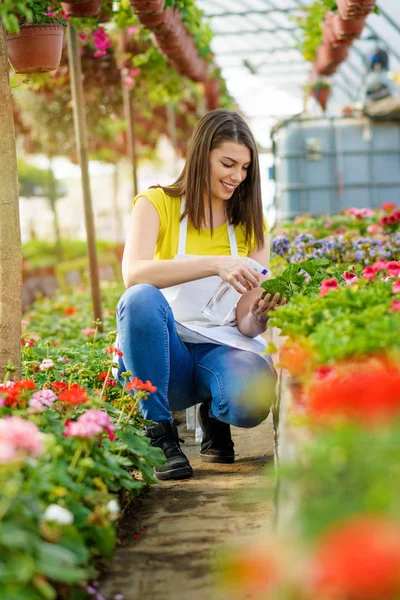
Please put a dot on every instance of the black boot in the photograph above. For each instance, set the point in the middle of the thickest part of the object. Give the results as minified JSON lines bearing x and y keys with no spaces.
{"x":217,"y":444}
{"x":164,"y":435}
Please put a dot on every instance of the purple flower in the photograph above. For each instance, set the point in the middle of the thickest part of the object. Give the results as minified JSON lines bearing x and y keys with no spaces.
{"x":280,"y":245}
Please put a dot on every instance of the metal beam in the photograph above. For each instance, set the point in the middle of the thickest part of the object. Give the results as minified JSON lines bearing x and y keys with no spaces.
{"x":389,"y":19}
{"x":254,"y":31}
{"x":248,"y":51}
{"x":249,"y":12}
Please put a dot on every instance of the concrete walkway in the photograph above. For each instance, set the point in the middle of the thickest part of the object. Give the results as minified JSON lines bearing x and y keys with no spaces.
{"x":171,"y":536}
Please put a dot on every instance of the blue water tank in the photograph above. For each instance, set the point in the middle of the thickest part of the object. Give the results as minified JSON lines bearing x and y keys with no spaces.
{"x":323,"y":165}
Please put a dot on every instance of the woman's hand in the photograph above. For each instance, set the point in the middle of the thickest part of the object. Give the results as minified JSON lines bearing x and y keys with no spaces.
{"x":237,"y":272}
{"x":262,"y":306}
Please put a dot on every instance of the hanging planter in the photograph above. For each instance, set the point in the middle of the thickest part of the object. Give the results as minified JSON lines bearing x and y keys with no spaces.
{"x":89,"y":8}
{"x":321,"y":91}
{"x":329,"y":58}
{"x":36,"y":48}
{"x":147,"y":6}
{"x":355,"y":9}
{"x":328,"y":34}
{"x":350,"y":29}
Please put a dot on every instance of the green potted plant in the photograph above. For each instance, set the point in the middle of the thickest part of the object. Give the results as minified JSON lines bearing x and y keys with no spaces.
{"x":35,"y":34}
{"x":321,"y":91}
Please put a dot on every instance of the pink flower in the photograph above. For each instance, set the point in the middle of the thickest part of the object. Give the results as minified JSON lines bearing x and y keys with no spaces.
{"x":19,"y":437}
{"x":64,"y":359}
{"x":393,"y":268}
{"x":24,"y":323}
{"x":132,"y":30}
{"x":381,"y":265}
{"x":374,"y":229}
{"x":92,"y":423}
{"x":88,"y":331}
{"x":328,"y":285}
{"x":361,"y":213}
{"x":395,"y":306}
{"x":350,"y":278}
{"x":369,"y":272}
{"x":102,"y":41}
{"x":83,"y":37}
{"x":41,"y":400}
{"x":396,"y":287}
{"x":46,"y":364}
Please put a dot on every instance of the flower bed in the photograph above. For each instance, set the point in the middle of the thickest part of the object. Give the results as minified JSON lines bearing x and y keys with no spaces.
{"x":339,"y":479}
{"x":72,"y":451}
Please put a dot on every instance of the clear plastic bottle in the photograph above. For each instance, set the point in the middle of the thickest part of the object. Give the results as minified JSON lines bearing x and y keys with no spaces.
{"x":223,"y":301}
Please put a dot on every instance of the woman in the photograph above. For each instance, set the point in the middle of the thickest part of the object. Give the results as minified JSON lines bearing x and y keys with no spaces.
{"x":212,"y":218}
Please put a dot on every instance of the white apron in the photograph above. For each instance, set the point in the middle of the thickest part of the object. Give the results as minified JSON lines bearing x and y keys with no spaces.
{"x":187,"y":300}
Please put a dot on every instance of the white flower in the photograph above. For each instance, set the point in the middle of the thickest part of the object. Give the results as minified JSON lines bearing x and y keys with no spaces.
{"x":58,"y":514}
{"x":46,"y":363}
{"x":113,"y":508}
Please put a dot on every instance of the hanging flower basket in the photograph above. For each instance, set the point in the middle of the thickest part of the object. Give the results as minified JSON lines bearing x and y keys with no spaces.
{"x":321,"y":92}
{"x":147,"y":6}
{"x":36,"y":48}
{"x":350,"y":29}
{"x":329,"y":58}
{"x":355,"y":9}
{"x":89,"y":8}
{"x":328,"y":34}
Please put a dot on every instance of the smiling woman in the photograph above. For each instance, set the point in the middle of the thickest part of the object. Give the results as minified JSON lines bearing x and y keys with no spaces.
{"x":212,"y":218}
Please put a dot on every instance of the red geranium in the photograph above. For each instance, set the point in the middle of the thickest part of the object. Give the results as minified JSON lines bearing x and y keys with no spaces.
{"x":388,"y":206}
{"x":294,"y":357}
{"x":137,"y":384}
{"x":327,"y":285}
{"x":366,"y":391}
{"x":59,"y":386}
{"x":69,"y":310}
{"x":74,"y":396}
{"x":114,"y":350}
{"x":359,"y":560}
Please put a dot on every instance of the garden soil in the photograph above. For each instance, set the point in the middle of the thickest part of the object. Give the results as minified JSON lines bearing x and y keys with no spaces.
{"x":171,"y":536}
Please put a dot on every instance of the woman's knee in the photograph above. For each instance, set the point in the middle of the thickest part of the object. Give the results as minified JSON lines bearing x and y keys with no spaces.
{"x":143,"y":299}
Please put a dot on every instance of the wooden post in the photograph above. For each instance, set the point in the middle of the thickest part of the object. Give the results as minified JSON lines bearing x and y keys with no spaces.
{"x":129,"y":113}
{"x":75,"y":69}
{"x":10,"y":231}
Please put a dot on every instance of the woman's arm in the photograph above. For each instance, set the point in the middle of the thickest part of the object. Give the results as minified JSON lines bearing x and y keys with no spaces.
{"x":251,"y":310}
{"x":138,"y":265}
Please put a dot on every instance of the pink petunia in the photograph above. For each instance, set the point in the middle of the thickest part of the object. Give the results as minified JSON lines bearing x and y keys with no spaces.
{"x":328,"y":285}
{"x":395,"y":306}
{"x":350,"y":278}
{"x":369,"y":272}
{"x":396,"y":287}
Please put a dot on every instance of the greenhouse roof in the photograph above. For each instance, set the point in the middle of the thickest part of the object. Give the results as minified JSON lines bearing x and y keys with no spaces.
{"x":257,"y":46}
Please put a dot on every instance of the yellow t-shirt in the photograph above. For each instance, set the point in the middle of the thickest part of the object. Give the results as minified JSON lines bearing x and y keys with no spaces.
{"x":197,"y":242}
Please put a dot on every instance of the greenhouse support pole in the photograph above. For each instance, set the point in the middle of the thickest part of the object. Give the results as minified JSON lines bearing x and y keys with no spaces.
{"x":75,"y":69}
{"x":129,"y":113}
{"x":10,"y":231}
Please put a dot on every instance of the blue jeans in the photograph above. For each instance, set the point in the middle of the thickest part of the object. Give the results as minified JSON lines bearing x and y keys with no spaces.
{"x":185,"y":373}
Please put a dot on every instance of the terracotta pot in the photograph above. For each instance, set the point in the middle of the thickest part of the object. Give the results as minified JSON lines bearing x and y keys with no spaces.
{"x":351,"y":28}
{"x":212,"y":93}
{"x":147,"y":6}
{"x":36,"y":48}
{"x":355,"y":10}
{"x":322,"y":94}
{"x":106,"y":11}
{"x":329,"y":36}
{"x":89,"y":8}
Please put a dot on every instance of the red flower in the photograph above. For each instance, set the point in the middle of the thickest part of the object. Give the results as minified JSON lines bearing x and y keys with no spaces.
{"x":349,"y":278}
{"x":395,"y":306}
{"x":59,"y":386}
{"x":70,"y":310}
{"x":327,"y":285}
{"x":102,"y":375}
{"x":114,"y":350}
{"x":137,"y":384}
{"x":365,"y":391}
{"x":294,"y":357}
{"x":388,"y":206}
{"x":359,"y":560}
{"x":393,"y":268}
{"x":74,"y":396}
{"x":369,"y":272}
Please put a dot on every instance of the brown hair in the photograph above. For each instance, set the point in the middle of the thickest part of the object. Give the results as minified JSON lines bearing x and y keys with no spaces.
{"x":245,"y":206}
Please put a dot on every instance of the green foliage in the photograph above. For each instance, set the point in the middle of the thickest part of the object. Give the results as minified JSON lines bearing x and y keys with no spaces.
{"x":83,"y":475}
{"x":344,"y":472}
{"x":292,"y":282}
{"x":15,"y":13}
{"x":39,"y":253}
{"x":196,"y":25}
{"x":311,"y":26}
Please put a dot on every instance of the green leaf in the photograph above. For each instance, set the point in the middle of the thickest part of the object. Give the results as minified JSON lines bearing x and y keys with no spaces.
{"x":312,"y":266}
{"x":59,"y":564}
